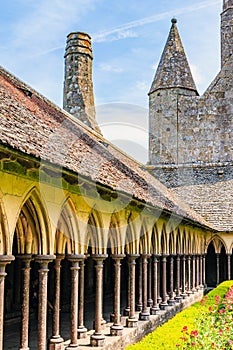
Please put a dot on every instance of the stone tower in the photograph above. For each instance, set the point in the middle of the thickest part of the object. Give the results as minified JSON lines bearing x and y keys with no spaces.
{"x":78,"y":86}
{"x":191,"y":136}
{"x":173,"y":79}
{"x":226,"y":30}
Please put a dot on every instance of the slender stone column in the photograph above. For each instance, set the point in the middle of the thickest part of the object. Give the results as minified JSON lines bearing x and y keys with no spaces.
{"x":139,"y":304}
{"x":150,"y":301}
{"x":159,"y":299}
{"x":189,"y":275}
{"x":132,"y":321}
{"x":155,"y":307}
{"x":201,"y":271}
{"x":97,"y":339}
{"x":4,"y":260}
{"x":144,"y":314}
{"x":56,"y":341}
{"x":75,"y":260}
{"x":194,"y":274}
{"x":82,"y":330}
{"x":117,"y":328}
{"x":127,"y":308}
{"x":197,"y":272}
{"x":183,"y":294}
{"x":228,"y":266}
{"x":218,"y":266}
{"x":164,"y":304}
{"x":171,"y":293}
{"x":43,"y":261}
{"x":178,"y":296}
{"x":25,"y":301}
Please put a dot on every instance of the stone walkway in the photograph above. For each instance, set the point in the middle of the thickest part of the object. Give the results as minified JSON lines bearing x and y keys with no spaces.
{"x":130,"y":335}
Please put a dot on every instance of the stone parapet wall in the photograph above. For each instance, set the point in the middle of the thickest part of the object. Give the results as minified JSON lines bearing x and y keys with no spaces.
{"x":192,"y":175}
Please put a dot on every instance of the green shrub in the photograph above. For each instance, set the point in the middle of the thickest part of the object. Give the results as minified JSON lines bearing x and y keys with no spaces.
{"x":166,"y":337}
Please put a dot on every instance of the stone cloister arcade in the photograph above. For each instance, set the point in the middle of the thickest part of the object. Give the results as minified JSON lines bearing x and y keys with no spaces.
{"x":65,"y":249}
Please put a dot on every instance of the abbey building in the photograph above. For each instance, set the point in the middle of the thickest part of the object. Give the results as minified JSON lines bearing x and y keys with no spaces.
{"x":92,"y":243}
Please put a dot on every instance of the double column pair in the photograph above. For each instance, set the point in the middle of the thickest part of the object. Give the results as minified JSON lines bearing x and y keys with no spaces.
{"x":150,"y":301}
{"x":56,"y":341}
{"x":43,"y":261}
{"x":185,"y":276}
{"x":97,"y":339}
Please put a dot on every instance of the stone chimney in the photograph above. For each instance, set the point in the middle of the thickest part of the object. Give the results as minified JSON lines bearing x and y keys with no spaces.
{"x":226,"y":30}
{"x":78,"y":97}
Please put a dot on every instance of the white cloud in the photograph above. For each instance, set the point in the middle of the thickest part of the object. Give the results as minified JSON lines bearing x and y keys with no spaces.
{"x":121,"y":34}
{"x":107,"y":67}
{"x":104,"y":36}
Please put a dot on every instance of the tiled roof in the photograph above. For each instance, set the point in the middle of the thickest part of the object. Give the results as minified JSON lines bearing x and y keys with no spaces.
{"x":213,"y":201}
{"x":33,"y":125}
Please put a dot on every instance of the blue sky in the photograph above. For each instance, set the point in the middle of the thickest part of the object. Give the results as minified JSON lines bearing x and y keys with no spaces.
{"x":128,"y":39}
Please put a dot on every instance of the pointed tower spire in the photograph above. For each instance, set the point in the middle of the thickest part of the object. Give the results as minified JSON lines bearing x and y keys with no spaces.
{"x":173,"y":70}
{"x":226,"y":30}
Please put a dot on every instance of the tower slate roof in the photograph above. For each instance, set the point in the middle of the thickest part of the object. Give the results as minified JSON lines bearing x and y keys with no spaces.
{"x":173,"y":70}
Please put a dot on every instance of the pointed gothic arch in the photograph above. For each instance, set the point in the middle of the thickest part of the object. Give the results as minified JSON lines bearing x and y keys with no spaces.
{"x":94,"y":235}
{"x":130,"y":239}
{"x":114,"y":235}
{"x":33,"y":230}
{"x":144,"y":244}
{"x":67,"y":237}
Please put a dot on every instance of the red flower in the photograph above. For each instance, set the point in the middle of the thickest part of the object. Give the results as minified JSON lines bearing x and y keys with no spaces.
{"x":221,"y":311}
{"x":194,"y":333}
{"x":185,"y":329}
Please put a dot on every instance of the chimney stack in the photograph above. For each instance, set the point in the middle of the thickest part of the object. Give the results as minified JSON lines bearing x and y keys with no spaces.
{"x":78,"y":97}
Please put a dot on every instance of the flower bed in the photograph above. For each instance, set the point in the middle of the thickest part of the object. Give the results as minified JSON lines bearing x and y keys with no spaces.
{"x":204,"y":325}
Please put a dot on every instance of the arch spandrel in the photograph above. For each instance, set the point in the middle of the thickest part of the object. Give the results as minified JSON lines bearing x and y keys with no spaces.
{"x":178,"y":242}
{"x":4,"y":233}
{"x":115,"y":237}
{"x":149,"y":223}
{"x":94,"y":237}
{"x":67,"y":237}
{"x":155,"y":241}
{"x":194,"y":246}
{"x":164,"y":241}
{"x":171,"y":243}
{"x":145,"y":238}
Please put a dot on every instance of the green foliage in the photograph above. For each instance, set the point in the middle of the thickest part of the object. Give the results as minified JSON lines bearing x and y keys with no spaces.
{"x":167,"y":336}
